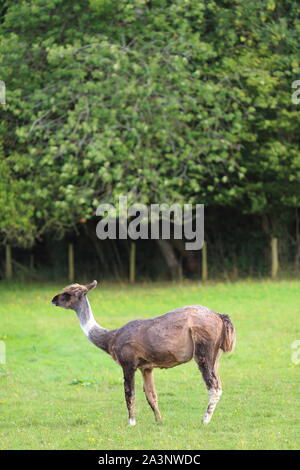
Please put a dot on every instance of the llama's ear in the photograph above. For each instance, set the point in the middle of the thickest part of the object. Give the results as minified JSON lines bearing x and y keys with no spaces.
{"x":81,"y":292}
{"x":91,"y":286}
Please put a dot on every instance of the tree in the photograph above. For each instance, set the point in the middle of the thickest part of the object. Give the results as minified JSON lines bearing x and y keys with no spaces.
{"x":165,"y":101}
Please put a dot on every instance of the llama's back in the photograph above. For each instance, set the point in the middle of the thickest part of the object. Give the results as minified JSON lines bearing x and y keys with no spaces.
{"x":168,"y":340}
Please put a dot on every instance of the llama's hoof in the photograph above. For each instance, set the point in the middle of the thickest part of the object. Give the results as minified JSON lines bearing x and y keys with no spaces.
{"x":131,"y":422}
{"x":206,"y":419}
{"x":158,"y":418}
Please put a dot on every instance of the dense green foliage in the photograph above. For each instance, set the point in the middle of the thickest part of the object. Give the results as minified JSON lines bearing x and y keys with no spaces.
{"x":170,"y":101}
{"x":58,"y":391}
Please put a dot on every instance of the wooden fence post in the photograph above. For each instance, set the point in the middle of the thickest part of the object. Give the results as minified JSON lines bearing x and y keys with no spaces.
{"x":71,"y":262}
{"x":8,"y":262}
{"x":132,"y":262}
{"x":204,"y":262}
{"x":274,"y":257}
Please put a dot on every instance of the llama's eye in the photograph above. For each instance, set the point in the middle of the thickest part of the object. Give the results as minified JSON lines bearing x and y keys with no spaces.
{"x":66,"y":296}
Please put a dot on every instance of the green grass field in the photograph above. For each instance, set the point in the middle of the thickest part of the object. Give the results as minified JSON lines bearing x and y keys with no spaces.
{"x":58,"y":391}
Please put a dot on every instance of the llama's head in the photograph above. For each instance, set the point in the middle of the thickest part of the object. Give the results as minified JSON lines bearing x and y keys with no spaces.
{"x":72,"y":295}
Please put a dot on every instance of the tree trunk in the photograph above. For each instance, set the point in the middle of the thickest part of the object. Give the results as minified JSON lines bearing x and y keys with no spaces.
{"x":119,"y":268}
{"x":31,"y":261}
{"x":297,"y":257}
{"x":91,"y":232}
{"x":170,"y":258}
{"x":188,"y":258}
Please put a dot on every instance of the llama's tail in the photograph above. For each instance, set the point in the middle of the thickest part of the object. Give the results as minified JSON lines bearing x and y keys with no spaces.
{"x":229,"y":335}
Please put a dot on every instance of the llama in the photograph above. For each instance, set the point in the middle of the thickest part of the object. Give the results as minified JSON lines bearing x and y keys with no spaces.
{"x":164,"y":341}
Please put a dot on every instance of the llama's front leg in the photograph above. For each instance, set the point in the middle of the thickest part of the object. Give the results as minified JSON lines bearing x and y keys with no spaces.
{"x":129,"y":394}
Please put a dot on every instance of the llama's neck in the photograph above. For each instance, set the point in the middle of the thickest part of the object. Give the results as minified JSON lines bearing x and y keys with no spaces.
{"x":95,"y":333}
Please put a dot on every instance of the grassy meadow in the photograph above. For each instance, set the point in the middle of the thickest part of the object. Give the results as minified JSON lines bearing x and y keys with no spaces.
{"x":58,"y":391}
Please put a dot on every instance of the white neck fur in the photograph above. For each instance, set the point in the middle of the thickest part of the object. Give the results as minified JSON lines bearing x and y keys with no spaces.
{"x":86,"y":318}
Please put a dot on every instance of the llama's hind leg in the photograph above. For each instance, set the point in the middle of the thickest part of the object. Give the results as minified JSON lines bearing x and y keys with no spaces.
{"x":207,"y":363}
{"x":214,"y":395}
{"x":151,"y":395}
